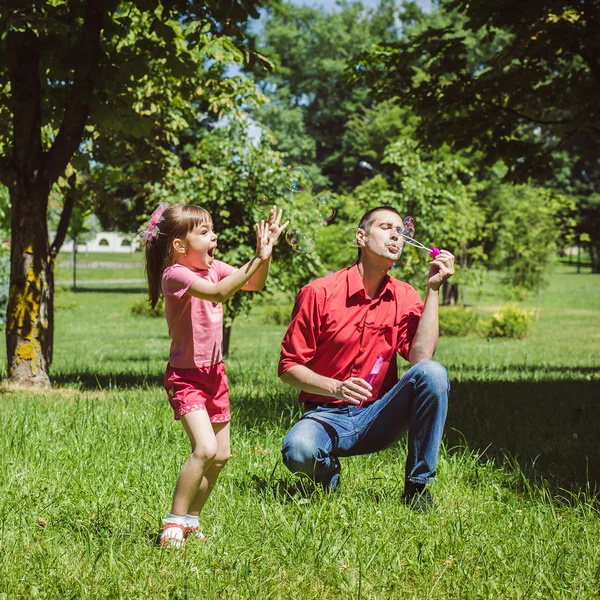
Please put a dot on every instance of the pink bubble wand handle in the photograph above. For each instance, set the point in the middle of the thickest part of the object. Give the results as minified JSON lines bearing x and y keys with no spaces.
{"x":372,"y":375}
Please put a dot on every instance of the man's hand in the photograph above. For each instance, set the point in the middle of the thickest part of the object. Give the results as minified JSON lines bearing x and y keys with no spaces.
{"x":440,"y":269}
{"x":354,"y":390}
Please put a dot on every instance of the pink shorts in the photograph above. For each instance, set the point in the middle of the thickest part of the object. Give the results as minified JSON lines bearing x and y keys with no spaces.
{"x":203,"y":388}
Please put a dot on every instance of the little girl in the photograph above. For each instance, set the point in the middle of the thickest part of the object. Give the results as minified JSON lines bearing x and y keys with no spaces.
{"x":181,"y":266}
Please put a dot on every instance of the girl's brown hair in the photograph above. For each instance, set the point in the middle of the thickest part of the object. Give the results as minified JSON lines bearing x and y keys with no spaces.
{"x":177,"y":221}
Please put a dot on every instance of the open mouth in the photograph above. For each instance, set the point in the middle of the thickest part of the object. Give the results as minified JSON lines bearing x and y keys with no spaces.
{"x":211,"y":252}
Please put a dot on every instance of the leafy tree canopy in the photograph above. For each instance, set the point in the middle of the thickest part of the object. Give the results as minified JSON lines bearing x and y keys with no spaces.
{"x":311,"y":99}
{"x":515,"y":82}
{"x":78,"y":80}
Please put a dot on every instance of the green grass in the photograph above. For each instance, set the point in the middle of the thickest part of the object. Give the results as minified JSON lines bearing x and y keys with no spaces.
{"x":98,"y":266}
{"x":96,"y":458}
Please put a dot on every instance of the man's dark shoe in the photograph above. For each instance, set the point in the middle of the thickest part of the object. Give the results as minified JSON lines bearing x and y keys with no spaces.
{"x":417,"y":497}
{"x":332,"y":485}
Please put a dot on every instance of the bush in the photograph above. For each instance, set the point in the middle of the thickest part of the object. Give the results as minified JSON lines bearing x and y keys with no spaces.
{"x":142,"y":308}
{"x":510,"y":321}
{"x":278,"y":315}
{"x":459,"y":322}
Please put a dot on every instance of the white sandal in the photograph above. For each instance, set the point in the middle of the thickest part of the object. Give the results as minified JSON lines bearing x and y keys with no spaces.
{"x":195,"y":533}
{"x":174,"y":538}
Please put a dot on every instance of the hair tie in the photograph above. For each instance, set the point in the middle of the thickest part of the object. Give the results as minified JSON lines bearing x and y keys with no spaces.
{"x":151,"y":232}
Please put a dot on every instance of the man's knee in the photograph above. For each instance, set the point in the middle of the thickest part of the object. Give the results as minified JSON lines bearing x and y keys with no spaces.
{"x":433,"y":374}
{"x":298,"y":452}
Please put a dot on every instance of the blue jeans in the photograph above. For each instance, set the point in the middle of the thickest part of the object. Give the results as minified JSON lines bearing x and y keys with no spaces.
{"x":417,"y":403}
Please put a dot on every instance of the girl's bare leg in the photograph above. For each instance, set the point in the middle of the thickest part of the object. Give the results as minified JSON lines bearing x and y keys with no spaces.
{"x":199,"y":430}
{"x":221,"y":431}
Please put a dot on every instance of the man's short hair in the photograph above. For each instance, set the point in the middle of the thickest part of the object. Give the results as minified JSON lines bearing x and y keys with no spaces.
{"x":367,"y":219}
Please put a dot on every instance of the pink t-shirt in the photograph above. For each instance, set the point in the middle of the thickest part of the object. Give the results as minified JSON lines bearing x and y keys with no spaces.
{"x":195,"y":325}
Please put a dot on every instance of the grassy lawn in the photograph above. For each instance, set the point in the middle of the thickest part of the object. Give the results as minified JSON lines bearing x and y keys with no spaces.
{"x":98,"y":266}
{"x":87,"y":470}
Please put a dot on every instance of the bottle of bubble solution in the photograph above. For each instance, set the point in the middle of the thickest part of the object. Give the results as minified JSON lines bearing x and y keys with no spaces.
{"x":373,"y":375}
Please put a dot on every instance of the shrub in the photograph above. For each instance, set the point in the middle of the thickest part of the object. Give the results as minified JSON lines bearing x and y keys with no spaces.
{"x":510,"y":321}
{"x":278,"y":315}
{"x":459,"y":322}
{"x":142,"y":308}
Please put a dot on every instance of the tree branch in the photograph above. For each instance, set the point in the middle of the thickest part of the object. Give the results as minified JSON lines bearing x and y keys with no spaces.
{"x":78,"y":104}
{"x":26,"y":103}
{"x":519,"y":115}
{"x":65,"y":218}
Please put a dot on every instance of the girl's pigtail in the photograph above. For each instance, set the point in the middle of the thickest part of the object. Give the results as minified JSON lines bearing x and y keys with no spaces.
{"x":155,"y":252}
{"x":155,"y":260}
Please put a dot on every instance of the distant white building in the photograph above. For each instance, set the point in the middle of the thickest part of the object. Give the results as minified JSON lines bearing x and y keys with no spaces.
{"x":105,"y":241}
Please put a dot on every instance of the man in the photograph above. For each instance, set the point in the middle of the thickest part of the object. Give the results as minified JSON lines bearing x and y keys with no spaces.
{"x":342,"y":326}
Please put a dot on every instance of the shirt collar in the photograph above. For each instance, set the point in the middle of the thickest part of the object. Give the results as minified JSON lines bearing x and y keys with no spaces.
{"x":355,"y":284}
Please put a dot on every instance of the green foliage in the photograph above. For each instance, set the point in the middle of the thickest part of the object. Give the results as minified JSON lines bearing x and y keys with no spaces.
{"x":533,"y":222}
{"x":471,"y":68}
{"x":369,"y":131}
{"x":441,"y":194}
{"x":312,"y":100}
{"x":455,"y":322}
{"x":278,"y":314}
{"x":517,"y":86}
{"x":158,"y":67}
{"x":510,"y":321}
{"x":142,"y":308}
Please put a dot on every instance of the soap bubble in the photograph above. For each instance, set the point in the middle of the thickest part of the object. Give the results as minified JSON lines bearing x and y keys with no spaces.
{"x":290,"y":235}
{"x":298,"y":179}
{"x":262,"y":204}
{"x":409,"y":227}
{"x":300,"y":241}
{"x":322,"y":208}
{"x":303,"y":243}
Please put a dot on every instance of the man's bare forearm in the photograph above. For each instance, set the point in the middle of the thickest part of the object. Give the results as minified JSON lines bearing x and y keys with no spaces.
{"x":353,"y":390}
{"x":305,"y":379}
{"x":428,"y":331}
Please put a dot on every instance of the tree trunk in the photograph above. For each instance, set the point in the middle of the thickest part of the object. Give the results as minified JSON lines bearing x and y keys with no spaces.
{"x":595,"y":258}
{"x":29,"y":175}
{"x":29,"y":326}
{"x":450,"y":293}
{"x":226,"y":339}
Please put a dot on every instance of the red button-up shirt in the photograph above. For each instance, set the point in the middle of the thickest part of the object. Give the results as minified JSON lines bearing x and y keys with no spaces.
{"x":338,"y":331}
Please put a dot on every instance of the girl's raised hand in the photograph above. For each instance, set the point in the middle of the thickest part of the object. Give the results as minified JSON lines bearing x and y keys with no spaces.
{"x":264,"y":248}
{"x":274,"y":220}
{"x":267,"y":234}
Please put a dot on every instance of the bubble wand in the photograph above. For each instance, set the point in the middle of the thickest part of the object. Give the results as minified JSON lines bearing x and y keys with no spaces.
{"x":407,"y":233}
{"x":433,"y":251}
